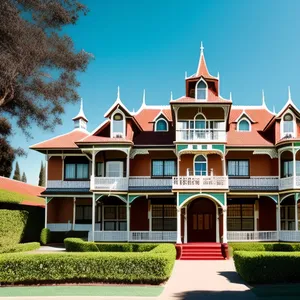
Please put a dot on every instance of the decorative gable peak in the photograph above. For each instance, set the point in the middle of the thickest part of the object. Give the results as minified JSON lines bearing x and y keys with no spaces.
{"x":80,"y":121}
{"x":202,"y":68}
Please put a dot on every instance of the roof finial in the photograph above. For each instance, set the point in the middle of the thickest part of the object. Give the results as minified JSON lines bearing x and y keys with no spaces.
{"x":230,"y":96}
{"x":274,"y":112}
{"x":80,"y":116}
{"x":218,"y":76}
{"x":201,"y":48}
{"x":171,"y":97}
{"x":263,"y":98}
{"x":118,"y":94}
{"x":185,"y":75}
{"x":144,"y":98}
{"x":289,"y":92}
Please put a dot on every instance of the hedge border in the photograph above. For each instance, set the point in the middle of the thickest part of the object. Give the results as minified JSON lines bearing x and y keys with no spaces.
{"x":21,"y":247}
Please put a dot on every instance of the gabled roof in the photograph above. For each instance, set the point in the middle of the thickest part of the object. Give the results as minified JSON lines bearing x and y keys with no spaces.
{"x":160,"y":115}
{"x":211,"y":97}
{"x":244,"y":114}
{"x":101,"y":139}
{"x":64,"y":141}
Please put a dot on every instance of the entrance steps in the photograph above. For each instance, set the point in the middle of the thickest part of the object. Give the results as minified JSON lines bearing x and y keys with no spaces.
{"x":201,"y":251}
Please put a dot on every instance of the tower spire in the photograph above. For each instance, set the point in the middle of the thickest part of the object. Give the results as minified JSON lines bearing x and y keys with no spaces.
{"x":289,"y":93}
{"x":171,"y":96}
{"x":263,"y":98}
{"x":202,"y":68}
{"x":118,"y":93}
{"x":230,"y":96}
{"x":144,"y":98}
{"x":80,"y":120}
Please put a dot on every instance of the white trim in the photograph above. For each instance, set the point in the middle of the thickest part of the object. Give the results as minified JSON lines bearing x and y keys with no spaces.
{"x":161,"y":119}
{"x":294,"y":133}
{"x":158,"y":116}
{"x":145,"y":106}
{"x":196,"y":90}
{"x":241,"y":117}
{"x":117,"y":111}
{"x":238,"y":125}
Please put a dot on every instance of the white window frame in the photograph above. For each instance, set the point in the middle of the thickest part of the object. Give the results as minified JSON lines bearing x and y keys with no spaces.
{"x":161,"y":119}
{"x":249,"y":123}
{"x":194,"y":164}
{"x":282,"y":133}
{"x":115,"y":134}
{"x":196,"y":90}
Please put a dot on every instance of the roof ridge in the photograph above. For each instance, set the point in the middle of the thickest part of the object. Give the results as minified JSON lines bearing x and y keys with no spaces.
{"x":21,"y":182}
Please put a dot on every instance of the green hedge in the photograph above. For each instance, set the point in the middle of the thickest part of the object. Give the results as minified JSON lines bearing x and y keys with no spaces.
{"x":152,"y":267}
{"x":78,"y":245}
{"x":12,"y":225}
{"x":258,"y":246}
{"x":20,"y":247}
{"x":268,"y":267}
{"x":45,"y":237}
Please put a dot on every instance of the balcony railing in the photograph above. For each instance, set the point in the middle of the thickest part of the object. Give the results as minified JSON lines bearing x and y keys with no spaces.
{"x":201,"y":135}
{"x":61,"y":184}
{"x":146,"y":182}
{"x":110,"y":183}
{"x":200,"y":182}
{"x":254,"y":183}
{"x":292,"y":182}
{"x":245,"y":236}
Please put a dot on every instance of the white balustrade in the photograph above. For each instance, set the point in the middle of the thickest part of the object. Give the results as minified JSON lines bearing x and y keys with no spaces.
{"x":201,"y":135}
{"x":111,"y":183}
{"x":289,"y":236}
{"x":147,"y":181}
{"x":68,"y":184}
{"x":246,"y":236}
{"x":109,"y":236}
{"x":200,"y":182}
{"x":153,"y":236}
{"x":265,"y":182}
{"x":68,"y":227}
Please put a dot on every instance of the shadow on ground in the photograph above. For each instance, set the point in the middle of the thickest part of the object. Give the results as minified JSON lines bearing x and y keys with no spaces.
{"x":224,"y":295}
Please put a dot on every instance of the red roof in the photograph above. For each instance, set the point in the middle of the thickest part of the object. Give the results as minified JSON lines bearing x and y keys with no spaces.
{"x":102,"y":139}
{"x":65,"y":141}
{"x":261,"y":116}
{"x":29,"y":192}
{"x":212,"y":97}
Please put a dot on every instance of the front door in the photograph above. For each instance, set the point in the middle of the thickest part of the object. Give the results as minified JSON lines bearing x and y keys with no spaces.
{"x":202,"y":221}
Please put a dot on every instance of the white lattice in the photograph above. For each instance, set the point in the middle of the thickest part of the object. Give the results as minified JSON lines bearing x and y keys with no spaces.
{"x":200,"y":182}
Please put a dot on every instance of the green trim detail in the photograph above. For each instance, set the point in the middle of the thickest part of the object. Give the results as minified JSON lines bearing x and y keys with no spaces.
{"x":131,"y":198}
{"x":273,"y":197}
{"x":122,"y":196}
{"x":204,"y":147}
{"x":195,"y":147}
{"x":181,"y":147}
{"x":49,"y":199}
{"x":297,"y":144}
{"x":218,"y":196}
{"x":219,"y":147}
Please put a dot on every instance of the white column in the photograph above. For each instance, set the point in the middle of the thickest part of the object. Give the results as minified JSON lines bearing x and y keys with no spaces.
{"x":93,"y":170}
{"x":128,"y":219}
{"x":74,"y":213}
{"x":294,"y":168}
{"x":46,"y":211}
{"x":278,"y":225}
{"x":102,"y":218}
{"x":178,"y":241}
{"x":256,"y":212}
{"x":93,"y":217}
{"x":296,"y":212}
{"x":185,"y":226}
{"x":46,"y":170}
{"x":224,"y":166}
{"x":225,"y":224}
{"x":127,"y":165}
{"x":217,"y":225}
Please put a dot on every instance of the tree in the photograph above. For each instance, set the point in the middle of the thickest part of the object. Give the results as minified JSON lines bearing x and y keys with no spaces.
{"x":38,"y":64}
{"x":24,"y":178}
{"x":42,"y":175}
{"x":17,"y":175}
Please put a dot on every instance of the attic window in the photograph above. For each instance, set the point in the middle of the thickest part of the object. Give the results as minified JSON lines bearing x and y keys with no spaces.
{"x":201,"y":90}
{"x":161,"y":125}
{"x":118,"y":125}
{"x":288,"y":127}
{"x":244,"y":125}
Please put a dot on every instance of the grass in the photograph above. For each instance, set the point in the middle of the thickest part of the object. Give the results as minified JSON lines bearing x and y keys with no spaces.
{"x":17,"y":198}
{"x":82,"y":290}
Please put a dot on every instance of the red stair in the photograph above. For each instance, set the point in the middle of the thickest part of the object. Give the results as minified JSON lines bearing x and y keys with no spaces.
{"x":201,"y":251}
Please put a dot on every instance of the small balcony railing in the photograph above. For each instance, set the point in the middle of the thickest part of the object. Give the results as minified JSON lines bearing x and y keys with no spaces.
{"x":201,"y":135}
{"x":110,"y":183}
{"x":200,"y":182}
{"x":254,"y":183}
{"x":65,"y":184}
{"x":292,"y":182}
{"x":146,"y":182}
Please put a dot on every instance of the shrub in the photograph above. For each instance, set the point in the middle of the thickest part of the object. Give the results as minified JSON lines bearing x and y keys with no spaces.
{"x":146,"y":267}
{"x":268,"y":267}
{"x":12,"y":224}
{"x":78,"y":245}
{"x":45,"y":236}
{"x":20,"y":247}
{"x":279,"y":247}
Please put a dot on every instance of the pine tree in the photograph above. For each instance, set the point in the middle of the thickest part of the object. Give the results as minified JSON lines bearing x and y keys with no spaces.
{"x":17,"y":175}
{"x":42,"y":175}
{"x":24,"y":178}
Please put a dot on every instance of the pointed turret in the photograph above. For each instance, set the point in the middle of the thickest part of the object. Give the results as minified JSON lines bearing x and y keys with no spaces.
{"x":202,"y":68}
{"x":80,"y":121}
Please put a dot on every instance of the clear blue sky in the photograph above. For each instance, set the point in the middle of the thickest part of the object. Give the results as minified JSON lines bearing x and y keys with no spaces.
{"x":150,"y":44}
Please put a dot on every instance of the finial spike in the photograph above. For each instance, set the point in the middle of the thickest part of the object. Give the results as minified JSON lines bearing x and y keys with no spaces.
{"x":263,"y":98}
{"x":118,"y":93}
{"x":144,"y":98}
{"x":185,"y":75}
{"x":201,"y":47}
{"x":230,"y":96}
{"x":289,"y":92}
{"x":171,"y":97}
{"x":218,"y":76}
{"x":274,"y":112}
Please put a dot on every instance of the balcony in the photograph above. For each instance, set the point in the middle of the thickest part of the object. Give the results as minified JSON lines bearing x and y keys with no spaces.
{"x":292,"y":182}
{"x":64,"y":184}
{"x":201,"y":135}
{"x":137,"y":183}
{"x":110,"y":183}
{"x":200,"y":182}
{"x":268,"y":183}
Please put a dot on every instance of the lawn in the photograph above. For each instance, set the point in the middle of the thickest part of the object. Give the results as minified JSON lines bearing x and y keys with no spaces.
{"x":18,"y":198}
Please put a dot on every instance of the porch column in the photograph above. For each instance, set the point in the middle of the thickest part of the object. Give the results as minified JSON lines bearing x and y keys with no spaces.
{"x":224,"y":165}
{"x":93,"y":170}
{"x":46,"y":170}
{"x":128,"y":219}
{"x":93,"y":217}
{"x":46,"y":211}
{"x":278,"y":218}
{"x":225,"y":224}
{"x":178,"y":241}
{"x":127,"y":165}
{"x":294,"y":168}
{"x":74,"y":213}
{"x":296,"y":212}
{"x":256,"y":212}
{"x":185,"y":225}
{"x":149,"y":215}
{"x":217,"y":225}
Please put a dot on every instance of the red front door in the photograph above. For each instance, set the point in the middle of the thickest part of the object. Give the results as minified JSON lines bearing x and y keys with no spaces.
{"x":202,"y":221}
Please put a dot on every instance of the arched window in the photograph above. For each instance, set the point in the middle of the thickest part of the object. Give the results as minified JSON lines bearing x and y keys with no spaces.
{"x":118,"y":125}
{"x":288,"y":124}
{"x":244,"y":125}
{"x":161,"y":125}
{"x":201,"y":90}
{"x":200,"y":125}
{"x":200,"y":166}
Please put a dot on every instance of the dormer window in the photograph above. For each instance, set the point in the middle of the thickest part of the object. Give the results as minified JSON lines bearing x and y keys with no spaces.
{"x":118,"y":125}
{"x":201,"y":90}
{"x":288,"y":124}
{"x":244,"y":125}
{"x":161,"y":125}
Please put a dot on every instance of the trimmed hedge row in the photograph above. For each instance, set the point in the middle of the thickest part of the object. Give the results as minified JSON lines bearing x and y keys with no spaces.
{"x":45,"y":236}
{"x":268,"y":267}
{"x":20,"y":247}
{"x":78,"y":245}
{"x":153,"y":267}
{"x":12,"y":225}
{"x":258,"y":246}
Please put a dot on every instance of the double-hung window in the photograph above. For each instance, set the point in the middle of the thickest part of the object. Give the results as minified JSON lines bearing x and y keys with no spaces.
{"x":240,"y":217}
{"x":164,"y":217}
{"x":83,"y":214}
{"x":239,"y":168}
{"x":163,"y":168}
{"x":76,"y":170}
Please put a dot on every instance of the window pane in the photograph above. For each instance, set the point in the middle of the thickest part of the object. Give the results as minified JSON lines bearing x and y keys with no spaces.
{"x":157,"y":224}
{"x":110,"y":212}
{"x":231,"y":168}
{"x":157,"y":168}
{"x":110,"y":226}
{"x":161,"y":125}
{"x":87,"y":212}
{"x":100,"y":169}
{"x":169,"y":168}
{"x":82,"y":171}
{"x":170,"y":224}
{"x":157,"y":211}
{"x":79,"y":212}
{"x":170,"y":211}
{"x":122,"y":226}
{"x":244,"y":126}
{"x":288,"y":126}
{"x":243,"y":168}
{"x":70,"y":171}
{"x":201,"y":93}
{"x":122,"y":212}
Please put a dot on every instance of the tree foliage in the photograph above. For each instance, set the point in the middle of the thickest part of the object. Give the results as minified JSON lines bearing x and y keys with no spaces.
{"x":24,"y":178}
{"x":17,"y":175}
{"x":42,"y":175}
{"x":38,"y":64}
